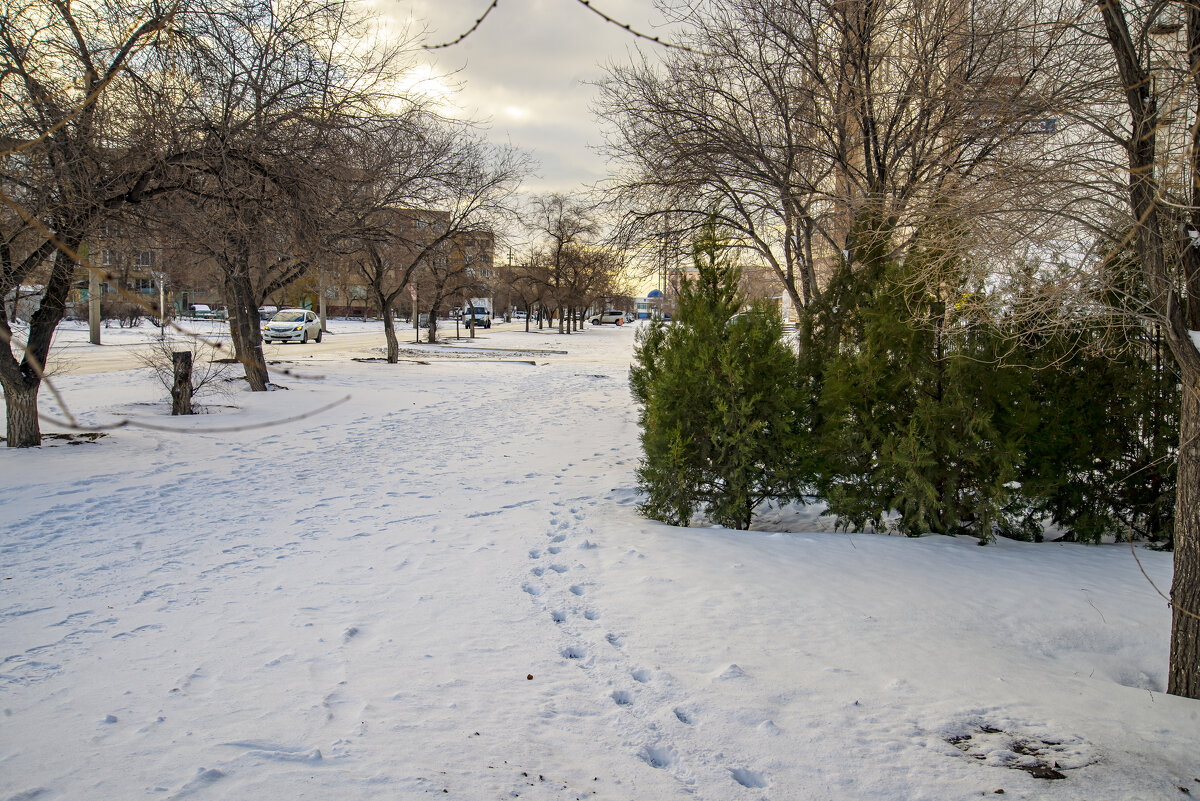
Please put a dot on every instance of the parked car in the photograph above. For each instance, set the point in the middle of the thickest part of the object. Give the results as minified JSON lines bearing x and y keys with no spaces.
{"x":201,"y":311}
{"x":267,"y":312}
{"x":609,"y":316}
{"x":481,"y":315}
{"x":293,"y":325}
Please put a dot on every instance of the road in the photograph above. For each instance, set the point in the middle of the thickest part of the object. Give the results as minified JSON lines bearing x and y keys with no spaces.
{"x":74,"y":357}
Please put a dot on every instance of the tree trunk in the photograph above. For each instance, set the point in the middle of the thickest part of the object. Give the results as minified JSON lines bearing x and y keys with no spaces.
{"x":1183,"y":676}
{"x":93,"y":307}
{"x":22,"y":380}
{"x":20,"y":401}
{"x":321,"y":302}
{"x":433,"y":315}
{"x":181,"y":390}
{"x":389,"y":331}
{"x":243,"y":326}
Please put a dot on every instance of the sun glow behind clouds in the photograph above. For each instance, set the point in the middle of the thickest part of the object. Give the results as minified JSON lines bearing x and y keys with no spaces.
{"x":424,"y":81}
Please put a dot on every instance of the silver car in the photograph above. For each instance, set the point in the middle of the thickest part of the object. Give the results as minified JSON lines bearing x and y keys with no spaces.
{"x":293,"y":325}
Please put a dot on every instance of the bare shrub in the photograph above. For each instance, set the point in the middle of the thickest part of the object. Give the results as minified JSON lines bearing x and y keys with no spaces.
{"x":209,"y":368}
{"x":126,"y":314}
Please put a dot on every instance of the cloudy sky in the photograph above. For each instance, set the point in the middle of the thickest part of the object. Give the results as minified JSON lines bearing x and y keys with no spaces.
{"x":525,"y":72}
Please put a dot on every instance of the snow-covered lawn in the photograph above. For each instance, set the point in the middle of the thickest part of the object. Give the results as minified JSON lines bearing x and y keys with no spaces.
{"x":442,"y":587}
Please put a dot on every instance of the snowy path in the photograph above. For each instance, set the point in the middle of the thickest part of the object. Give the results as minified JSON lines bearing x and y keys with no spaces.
{"x":443,"y":585}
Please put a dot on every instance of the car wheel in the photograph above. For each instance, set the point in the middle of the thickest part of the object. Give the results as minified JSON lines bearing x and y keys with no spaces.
{"x":319,"y":335}
{"x":304,"y":337}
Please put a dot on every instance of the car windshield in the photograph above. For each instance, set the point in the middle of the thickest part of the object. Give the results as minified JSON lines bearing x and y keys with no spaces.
{"x":288,"y":317}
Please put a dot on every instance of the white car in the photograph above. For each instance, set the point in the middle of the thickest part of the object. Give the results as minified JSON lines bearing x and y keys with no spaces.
{"x":609,"y":316}
{"x":293,"y":325}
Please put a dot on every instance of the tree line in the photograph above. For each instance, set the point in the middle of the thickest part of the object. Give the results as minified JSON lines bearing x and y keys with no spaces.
{"x":261,"y":144}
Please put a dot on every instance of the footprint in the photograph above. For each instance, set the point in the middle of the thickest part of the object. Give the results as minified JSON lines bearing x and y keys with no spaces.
{"x":640,"y":675}
{"x":574,"y":652}
{"x":748,"y":778}
{"x":558,"y":616}
{"x":685,"y":717}
{"x":559,"y":568}
{"x":622,"y":697}
{"x":535,"y":554}
{"x":658,"y":756}
{"x":576,"y":589}
{"x":554,"y":549}
{"x":558,"y":537}
{"x":615,"y":640}
{"x":532,"y":589}
{"x":590,"y":614}
{"x":538,"y":571}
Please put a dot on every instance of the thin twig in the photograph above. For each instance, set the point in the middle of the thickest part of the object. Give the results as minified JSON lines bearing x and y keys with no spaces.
{"x":469,"y":31}
{"x":586,"y":4}
{"x":628,"y":29}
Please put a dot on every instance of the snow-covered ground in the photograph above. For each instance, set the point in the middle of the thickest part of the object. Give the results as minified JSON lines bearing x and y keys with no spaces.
{"x":441,"y":586}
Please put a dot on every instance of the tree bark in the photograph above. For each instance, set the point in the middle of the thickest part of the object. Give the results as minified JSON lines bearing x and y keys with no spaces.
{"x":389,"y":332}
{"x":1183,"y":676}
{"x":321,"y":301}
{"x":21,"y":381}
{"x":1184,"y":668}
{"x":93,"y":307}
{"x":181,"y":390}
{"x":433,"y":315}
{"x":243,"y":327}
{"x":23,"y":430}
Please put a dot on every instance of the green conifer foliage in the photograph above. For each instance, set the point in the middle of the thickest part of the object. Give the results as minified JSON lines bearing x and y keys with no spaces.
{"x":907,"y":408}
{"x":925,"y":418}
{"x":912,"y":415}
{"x":1099,"y":431}
{"x":718,"y":403}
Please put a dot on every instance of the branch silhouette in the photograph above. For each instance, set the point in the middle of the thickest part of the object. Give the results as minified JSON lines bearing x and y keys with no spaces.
{"x":586,"y":4}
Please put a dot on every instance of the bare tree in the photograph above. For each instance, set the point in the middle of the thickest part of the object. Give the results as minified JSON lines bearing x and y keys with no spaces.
{"x":812,"y":125}
{"x":266,"y":129}
{"x":432,"y":198}
{"x":563,"y":225}
{"x":1146,"y":131}
{"x":68,"y":157}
